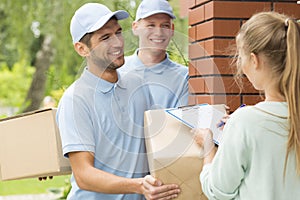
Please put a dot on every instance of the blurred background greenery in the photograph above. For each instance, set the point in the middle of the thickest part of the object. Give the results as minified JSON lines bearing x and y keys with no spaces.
{"x":58,"y":185}
{"x":37,"y":59}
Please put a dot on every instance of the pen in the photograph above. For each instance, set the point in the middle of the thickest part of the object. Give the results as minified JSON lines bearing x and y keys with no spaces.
{"x":242,"y":105}
{"x":219,"y":125}
{"x":222,"y":123}
{"x":180,"y":107}
{"x":193,"y":105}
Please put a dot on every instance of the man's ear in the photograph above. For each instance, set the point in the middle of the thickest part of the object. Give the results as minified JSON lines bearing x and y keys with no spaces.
{"x":81,"y":49}
{"x":173,"y":28}
{"x":134,"y":28}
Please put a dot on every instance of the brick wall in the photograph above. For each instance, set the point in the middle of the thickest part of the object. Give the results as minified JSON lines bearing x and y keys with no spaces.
{"x":213,"y":26}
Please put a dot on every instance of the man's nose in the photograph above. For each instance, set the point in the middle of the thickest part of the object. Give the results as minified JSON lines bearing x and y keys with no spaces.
{"x":117,"y":40}
{"x":158,"y":30}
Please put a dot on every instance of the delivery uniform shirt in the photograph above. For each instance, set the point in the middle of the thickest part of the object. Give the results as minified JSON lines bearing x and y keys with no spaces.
{"x":107,"y":119}
{"x":249,"y":163}
{"x":167,"y":80}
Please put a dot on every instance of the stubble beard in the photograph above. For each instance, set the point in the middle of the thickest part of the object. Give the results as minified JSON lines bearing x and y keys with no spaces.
{"x":105,"y":64}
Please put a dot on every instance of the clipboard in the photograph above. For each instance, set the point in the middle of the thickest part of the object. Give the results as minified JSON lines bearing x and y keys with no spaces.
{"x":201,"y":116}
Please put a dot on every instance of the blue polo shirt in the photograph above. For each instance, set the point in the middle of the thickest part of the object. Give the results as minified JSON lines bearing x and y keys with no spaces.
{"x":107,"y":119}
{"x":167,"y":80}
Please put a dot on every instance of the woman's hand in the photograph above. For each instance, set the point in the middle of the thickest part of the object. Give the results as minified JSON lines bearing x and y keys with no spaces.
{"x":223,"y":121}
{"x":204,"y":138}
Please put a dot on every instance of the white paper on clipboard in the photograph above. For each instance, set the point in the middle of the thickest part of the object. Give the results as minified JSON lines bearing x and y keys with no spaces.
{"x":201,"y":116}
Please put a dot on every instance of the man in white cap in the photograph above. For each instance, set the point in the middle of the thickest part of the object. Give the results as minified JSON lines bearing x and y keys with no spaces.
{"x":100,"y":116}
{"x":167,"y":80}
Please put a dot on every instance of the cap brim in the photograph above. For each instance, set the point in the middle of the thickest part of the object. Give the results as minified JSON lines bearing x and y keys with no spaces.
{"x":120,"y":14}
{"x":156,"y":12}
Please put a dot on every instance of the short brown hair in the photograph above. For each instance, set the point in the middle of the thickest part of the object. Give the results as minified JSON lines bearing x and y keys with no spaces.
{"x":86,"y":39}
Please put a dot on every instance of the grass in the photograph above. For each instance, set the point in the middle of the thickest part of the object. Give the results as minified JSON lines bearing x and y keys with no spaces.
{"x":32,"y":186}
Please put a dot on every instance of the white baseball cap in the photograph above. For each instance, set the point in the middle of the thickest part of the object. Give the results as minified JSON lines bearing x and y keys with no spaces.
{"x":91,"y":17}
{"x":151,"y":7}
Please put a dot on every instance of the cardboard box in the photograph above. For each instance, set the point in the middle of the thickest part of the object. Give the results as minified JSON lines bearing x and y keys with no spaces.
{"x":30,"y":146}
{"x":173,"y":155}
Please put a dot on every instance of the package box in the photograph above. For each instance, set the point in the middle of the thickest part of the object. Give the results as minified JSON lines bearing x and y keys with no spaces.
{"x":30,"y":146}
{"x":173,"y":155}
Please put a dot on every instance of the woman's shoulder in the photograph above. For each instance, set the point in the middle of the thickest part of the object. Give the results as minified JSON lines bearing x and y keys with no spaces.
{"x":262,"y":110}
{"x":246,"y":112}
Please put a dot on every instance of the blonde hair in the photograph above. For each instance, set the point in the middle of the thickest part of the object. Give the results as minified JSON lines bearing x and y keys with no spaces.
{"x":277,"y":37}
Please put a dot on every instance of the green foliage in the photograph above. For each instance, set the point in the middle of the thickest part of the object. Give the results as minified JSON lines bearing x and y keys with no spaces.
{"x":14,"y":84}
{"x":66,"y":190}
{"x":178,"y":48}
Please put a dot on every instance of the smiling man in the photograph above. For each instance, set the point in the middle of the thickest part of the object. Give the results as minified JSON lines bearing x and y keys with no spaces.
{"x":167,"y":80}
{"x":100,"y":116}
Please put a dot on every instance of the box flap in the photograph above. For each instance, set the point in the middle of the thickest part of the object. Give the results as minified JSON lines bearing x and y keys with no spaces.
{"x":27,"y":113}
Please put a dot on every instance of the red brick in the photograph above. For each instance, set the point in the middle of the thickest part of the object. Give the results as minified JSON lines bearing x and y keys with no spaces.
{"x":199,"y":2}
{"x":220,"y":85}
{"x":196,"y":15}
{"x":192,"y":68}
{"x":252,"y":99}
{"x":248,"y":87}
{"x":203,"y":67}
{"x":217,"y":84}
{"x":192,"y":99}
{"x":209,"y":10}
{"x":224,"y":65}
{"x":226,"y":27}
{"x":199,"y":99}
{"x":210,"y":66}
{"x":192,"y":34}
{"x":219,"y":47}
{"x":233,"y":101}
{"x":196,"y":85}
{"x":223,"y":28}
{"x":290,"y":9}
{"x":212,"y":85}
{"x":204,"y":30}
{"x":196,"y":50}
{"x":231,"y":9}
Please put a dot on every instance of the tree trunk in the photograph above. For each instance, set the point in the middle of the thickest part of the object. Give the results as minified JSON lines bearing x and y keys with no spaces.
{"x":42,"y":63}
